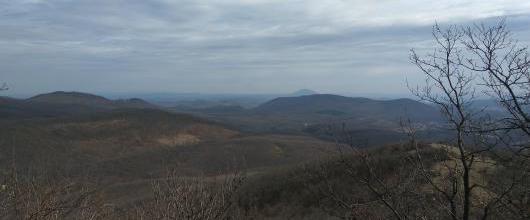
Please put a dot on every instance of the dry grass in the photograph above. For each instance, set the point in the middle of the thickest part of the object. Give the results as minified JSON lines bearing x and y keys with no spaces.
{"x":178,"y":140}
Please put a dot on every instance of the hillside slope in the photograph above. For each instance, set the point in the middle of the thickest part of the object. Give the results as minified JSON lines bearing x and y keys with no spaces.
{"x":372,"y":122}
{"x":138,"y":143}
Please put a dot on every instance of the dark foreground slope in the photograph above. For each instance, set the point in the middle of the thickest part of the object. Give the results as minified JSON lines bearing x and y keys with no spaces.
{"x":345,"y":187}
{"x":128,"y":139}
{"x":131,"y":147}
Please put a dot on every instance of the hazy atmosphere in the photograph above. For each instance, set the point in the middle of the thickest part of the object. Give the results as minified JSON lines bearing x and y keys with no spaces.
{"x":264,"y":109}
{"x":227,"y":46}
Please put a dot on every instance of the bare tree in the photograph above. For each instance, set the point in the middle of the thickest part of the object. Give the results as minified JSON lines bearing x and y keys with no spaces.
{"x":450,"y":83}
{"x":450,"y":87}
{"x":504,"y":67}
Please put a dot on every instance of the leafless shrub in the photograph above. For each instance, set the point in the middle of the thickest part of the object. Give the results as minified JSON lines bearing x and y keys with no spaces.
{"x":34,"y":198}
{"x":371,"y":183}
{"x":178,"y":197}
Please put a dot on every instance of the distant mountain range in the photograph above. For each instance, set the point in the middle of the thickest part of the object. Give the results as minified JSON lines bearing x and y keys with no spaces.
{"x":335,"y":105}
{"x":61,"y":97}
{"x":292,"y":114}
{"x":317,"y":115}
{"x":297,"y":105}
{"x":64,"y":104}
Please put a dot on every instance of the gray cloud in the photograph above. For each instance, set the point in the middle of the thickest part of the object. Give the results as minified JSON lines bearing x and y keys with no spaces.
{"x":357,"y":46}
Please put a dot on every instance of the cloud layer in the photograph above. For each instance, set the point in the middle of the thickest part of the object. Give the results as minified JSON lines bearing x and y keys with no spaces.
{"x":253,"y":46}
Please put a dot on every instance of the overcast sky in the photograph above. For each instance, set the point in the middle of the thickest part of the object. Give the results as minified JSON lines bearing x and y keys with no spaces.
{"x":227,"y":46}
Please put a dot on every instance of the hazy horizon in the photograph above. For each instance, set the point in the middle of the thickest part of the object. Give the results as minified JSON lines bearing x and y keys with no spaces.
{"x":264,"y":109}
{"x":201,"y":95}
{"x":354,"y":47}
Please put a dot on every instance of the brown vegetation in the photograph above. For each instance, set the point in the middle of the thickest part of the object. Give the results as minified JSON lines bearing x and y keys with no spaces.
{"x":111,"y":165}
